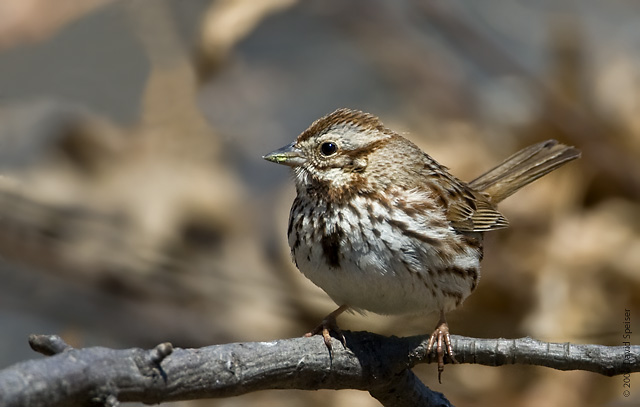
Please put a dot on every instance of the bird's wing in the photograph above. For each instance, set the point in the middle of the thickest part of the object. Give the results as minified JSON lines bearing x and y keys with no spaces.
{"x":471,"y":211}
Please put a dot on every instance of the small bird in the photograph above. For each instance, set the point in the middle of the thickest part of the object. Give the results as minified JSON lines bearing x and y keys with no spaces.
{"x":380,"y":226}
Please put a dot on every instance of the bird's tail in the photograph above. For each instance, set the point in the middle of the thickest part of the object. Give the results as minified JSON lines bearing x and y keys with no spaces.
{"x":522,"y":168}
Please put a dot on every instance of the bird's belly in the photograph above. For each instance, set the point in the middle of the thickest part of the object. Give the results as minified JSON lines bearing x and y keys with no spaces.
{"x":389,"y":277}
{"x":373,"y":289}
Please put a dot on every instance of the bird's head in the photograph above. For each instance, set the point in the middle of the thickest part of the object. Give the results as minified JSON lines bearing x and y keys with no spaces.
{"x":334,"y":151}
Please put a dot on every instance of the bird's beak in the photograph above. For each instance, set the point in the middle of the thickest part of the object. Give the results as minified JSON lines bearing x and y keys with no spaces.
{"x":288,"y":155}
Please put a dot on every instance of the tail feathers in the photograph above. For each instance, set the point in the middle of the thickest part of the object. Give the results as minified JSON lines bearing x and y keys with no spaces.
{"x":522,"y":168}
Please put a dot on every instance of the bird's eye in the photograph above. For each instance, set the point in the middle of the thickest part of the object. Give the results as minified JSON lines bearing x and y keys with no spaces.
{"x":328,"y":148}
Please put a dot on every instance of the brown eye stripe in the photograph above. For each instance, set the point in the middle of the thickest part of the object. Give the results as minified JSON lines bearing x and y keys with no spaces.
{"x":364,"y":151}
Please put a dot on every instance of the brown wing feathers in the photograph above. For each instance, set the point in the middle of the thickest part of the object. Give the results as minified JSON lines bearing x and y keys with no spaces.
{"x":475,"y":210}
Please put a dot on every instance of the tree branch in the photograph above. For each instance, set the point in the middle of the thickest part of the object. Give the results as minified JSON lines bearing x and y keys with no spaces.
{"x":374,"y":363}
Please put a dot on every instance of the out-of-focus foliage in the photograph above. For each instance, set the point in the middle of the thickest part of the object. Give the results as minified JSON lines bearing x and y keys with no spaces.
{"x":136,"y":208}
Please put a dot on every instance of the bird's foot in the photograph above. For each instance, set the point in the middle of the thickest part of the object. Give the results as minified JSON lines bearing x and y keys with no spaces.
{"x":327,"y":325}
{"x":442,"y":341}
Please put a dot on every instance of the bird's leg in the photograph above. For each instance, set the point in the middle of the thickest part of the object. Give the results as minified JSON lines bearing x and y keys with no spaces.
{"x":329,"y":324}
{"x":440,"y":337}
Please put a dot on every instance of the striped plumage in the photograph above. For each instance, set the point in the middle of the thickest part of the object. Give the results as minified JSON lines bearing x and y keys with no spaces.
{"x":380,"y":226}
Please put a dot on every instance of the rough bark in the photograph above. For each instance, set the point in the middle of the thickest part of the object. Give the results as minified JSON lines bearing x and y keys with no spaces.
{"x":377,"y":364}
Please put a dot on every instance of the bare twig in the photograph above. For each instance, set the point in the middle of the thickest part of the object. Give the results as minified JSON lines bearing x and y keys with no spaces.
{"x":370,"y":362}
{"x":48,"y":345}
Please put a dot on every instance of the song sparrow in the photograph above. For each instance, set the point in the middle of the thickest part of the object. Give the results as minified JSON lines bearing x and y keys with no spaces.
{"x":381,"y":226}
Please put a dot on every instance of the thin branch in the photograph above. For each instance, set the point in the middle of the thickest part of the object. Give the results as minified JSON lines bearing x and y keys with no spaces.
{"x":605,"y":360}
{"x":374,"y":363}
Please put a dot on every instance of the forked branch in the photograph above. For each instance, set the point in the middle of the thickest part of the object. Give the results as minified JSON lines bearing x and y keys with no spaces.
{"x":377,"y":364}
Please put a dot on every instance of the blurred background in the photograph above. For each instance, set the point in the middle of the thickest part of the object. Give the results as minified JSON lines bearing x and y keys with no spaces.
{"x":135,"y":208}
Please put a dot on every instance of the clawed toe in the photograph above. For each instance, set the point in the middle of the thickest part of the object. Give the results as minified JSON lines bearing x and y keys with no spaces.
{"x":324,"y":329}
{"x":442,"y":341}
{"x":327,"y":325}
